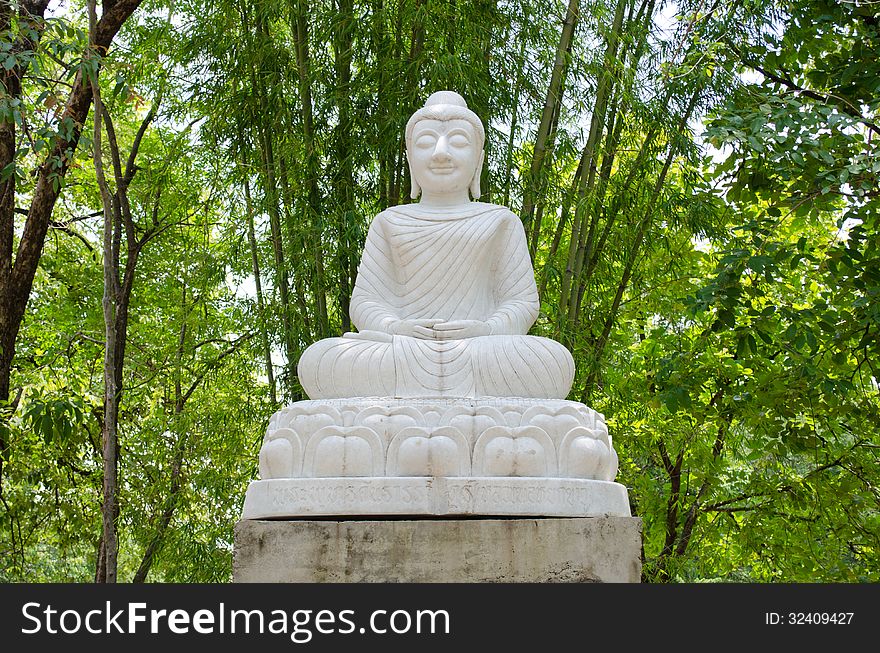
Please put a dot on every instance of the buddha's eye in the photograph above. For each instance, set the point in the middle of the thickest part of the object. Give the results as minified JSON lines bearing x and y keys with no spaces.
{"x":425,"y":141}
{"x":459,"y":140}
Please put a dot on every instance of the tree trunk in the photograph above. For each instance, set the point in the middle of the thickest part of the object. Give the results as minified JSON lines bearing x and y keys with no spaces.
{"x":116,"y":300}
{"x":109,"y":439}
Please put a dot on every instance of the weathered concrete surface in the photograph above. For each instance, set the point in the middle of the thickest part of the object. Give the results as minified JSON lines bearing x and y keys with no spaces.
{"x":568,"y":550}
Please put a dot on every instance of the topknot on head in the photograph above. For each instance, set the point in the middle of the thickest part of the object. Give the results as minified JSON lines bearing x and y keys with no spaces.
{"x":446,"y":97}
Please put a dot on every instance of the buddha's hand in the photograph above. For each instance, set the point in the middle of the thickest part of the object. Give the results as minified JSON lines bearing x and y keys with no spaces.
{"x":374,"y":336}
{"x":413,"y":328}
{"x":460,"y":329}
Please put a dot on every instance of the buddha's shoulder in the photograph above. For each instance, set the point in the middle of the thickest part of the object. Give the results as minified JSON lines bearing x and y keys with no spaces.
{"x":498,"y":209}
{"x":469,"y":210}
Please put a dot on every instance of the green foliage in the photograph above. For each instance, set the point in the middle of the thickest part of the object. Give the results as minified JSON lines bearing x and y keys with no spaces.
{"x":780,"y":336}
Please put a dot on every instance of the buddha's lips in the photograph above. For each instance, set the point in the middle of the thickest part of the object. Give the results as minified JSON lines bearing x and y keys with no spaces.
{"x":441,"y":169}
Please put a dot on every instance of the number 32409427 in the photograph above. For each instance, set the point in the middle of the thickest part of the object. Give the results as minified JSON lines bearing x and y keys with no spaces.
{"x":808,"y":618}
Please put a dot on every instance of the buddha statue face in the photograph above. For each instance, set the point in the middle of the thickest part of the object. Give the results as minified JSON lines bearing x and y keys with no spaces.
{"x":445,"y":148}
{"x":443,"y":156}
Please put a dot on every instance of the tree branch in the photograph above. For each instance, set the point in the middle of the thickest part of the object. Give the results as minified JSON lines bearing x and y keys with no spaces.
{"x":231,"y":350}
{"x":130,"y":168}
{"x":167,"y":513}
{"x":835,"y":100}
{"x":60,"y":226}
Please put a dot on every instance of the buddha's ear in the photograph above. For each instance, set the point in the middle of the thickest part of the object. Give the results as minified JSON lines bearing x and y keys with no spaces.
{"x":475,"y":182}
{"x":415,"y":190}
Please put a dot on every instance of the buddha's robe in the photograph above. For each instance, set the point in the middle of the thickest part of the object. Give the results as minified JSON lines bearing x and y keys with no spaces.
{"x":419,"y":264}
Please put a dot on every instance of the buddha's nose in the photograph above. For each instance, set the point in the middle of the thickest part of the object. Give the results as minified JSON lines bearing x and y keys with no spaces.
{"x":441,"y":150}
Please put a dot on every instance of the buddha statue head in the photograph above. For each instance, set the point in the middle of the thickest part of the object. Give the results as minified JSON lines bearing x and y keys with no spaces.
{"x":444,"y":146}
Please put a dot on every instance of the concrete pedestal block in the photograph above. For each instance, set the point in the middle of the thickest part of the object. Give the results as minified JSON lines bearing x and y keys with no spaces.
{"x":590,"y":549}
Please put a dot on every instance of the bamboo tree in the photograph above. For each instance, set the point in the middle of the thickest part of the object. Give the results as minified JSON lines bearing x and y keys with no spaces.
{"x":619,"y":107}
{"x":261,"y":307}
{"x":514,"y":119}
{"x":552,"y":102}
{"x":381,"y":64}
{"x":278,"y":251}
{"x":487,"y":15}
{"x":581,"y":234}
{"x":267,"y":159}
{"x":562,"y":223}
{"x":303,"y":65}
{"x":401,"y":185}
{"x":300,"y":270}
{"x":635,"y":247}
{"x":344,"y":178}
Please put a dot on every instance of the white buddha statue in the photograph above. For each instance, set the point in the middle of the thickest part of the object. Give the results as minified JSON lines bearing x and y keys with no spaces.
{"x":445,"y":292}
{"x":439,"y":404}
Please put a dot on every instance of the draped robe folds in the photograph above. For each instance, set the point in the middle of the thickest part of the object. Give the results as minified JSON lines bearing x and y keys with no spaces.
{"x":420,"y":264}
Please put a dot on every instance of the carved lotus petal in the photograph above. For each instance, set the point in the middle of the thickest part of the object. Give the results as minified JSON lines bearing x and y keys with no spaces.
{"x":473,"y":423}
{"x":389,"y":421}
{"x":344,"y":451}
{"x":602,"y":430}
{"x":609,"y":471}
{"x":556,"y":426}
{"x":571,"y":409}
{"x":277,"y":459}
{"x":583,"y":455}
{"x":349,"y":415}
{"x":307,"y":421}
{"x":513,"y":418}
{"x":308,"y":408}
{"x":522,"y":451}
{"x":431,"y":417}
{"x":591,"y":417}
{"x":514,"y":457}
{"x":422,"y":452}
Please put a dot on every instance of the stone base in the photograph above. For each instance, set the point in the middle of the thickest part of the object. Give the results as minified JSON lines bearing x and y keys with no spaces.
{"x":597,"y":549}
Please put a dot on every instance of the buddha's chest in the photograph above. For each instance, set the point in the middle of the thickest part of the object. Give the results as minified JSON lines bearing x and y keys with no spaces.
{"x":445,"y":248}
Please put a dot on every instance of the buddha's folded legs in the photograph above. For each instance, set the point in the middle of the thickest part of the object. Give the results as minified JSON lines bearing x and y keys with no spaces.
{"x":522,"y":366}
{"x":497,"y":366}
{"x":344,"y":367}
